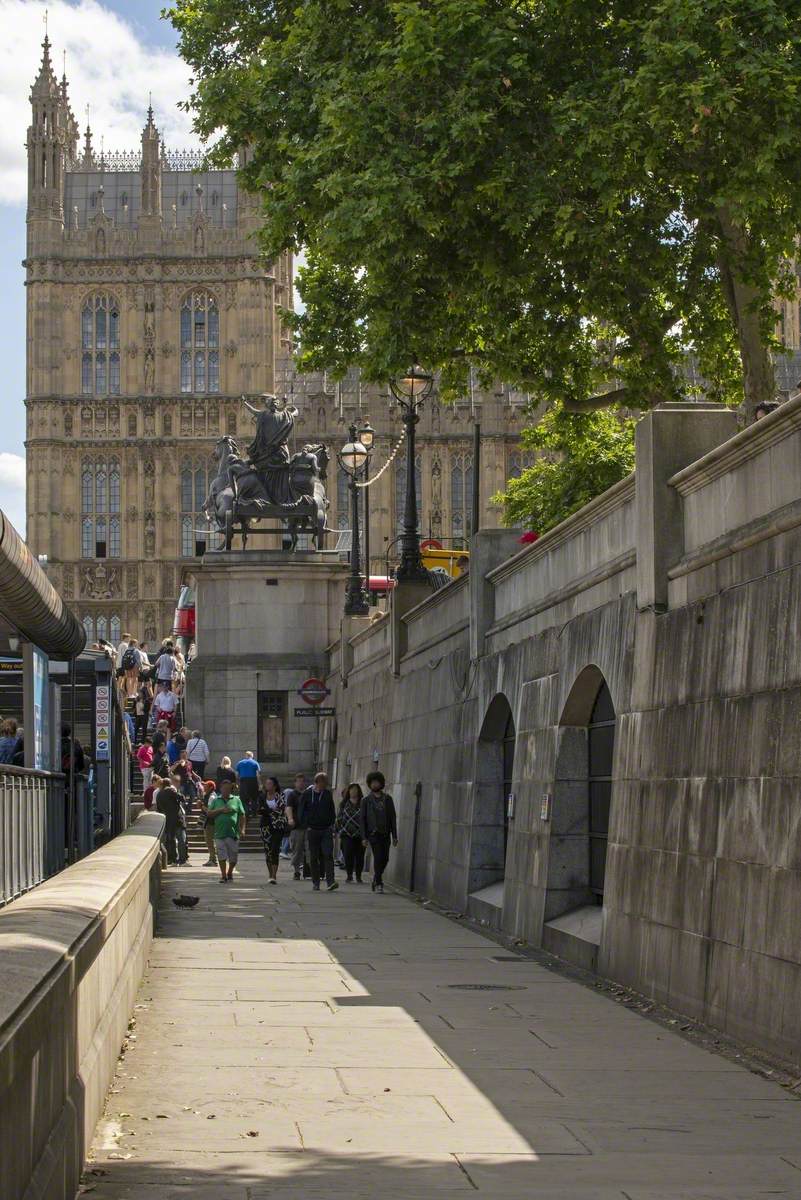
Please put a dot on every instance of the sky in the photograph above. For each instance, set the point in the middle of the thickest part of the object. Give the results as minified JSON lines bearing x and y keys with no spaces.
{"x":116,"y":53}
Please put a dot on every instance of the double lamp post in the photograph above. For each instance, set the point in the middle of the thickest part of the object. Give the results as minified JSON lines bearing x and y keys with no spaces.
{"x":410,"y":391}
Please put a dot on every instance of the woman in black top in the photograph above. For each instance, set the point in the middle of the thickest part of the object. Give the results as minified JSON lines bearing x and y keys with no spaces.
{"x":379,"y":825}
{"x":273,"y":824}
{"x":349,"y":828}
{"x":225,"y":771}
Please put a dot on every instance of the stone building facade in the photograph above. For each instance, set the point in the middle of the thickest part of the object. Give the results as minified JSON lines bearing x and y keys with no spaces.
{"x":149,"y":314}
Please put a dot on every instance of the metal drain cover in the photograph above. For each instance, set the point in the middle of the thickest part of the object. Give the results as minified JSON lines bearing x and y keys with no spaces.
{"x":486,"y":987}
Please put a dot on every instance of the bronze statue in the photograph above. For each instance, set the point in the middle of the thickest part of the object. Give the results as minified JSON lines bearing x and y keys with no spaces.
{"x":269,"y":482}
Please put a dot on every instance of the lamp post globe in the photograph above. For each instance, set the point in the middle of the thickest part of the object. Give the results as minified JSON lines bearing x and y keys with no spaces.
{"x":352,"y":459}
{"x":410,"y":390}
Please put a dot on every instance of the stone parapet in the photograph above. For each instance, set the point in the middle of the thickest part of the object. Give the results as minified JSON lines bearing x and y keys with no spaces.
{"x":73,"y":954}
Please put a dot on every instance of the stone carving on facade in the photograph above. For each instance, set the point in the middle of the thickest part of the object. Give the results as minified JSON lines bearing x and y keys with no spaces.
{"x":151,"y":632}
{"x":132,"y":513}
{"x":100,"y":582}
{"x":150,"y":481}
{"x":150,"y":582}
{"x":186,"y":418}
{"x":167,"y":349}
{"x":436,"y":497}
{"x":230,"y":348}
{"x":86,"y":422}
{"x":150,"y":534}
{"x":149,"y":419}
{"x":149,"y":339}
{"x":132,"y":350}
{"x":132,"y":583}
{"x":68,"y":583}
{"x":68,"y":515}
{"x":114,"y":420}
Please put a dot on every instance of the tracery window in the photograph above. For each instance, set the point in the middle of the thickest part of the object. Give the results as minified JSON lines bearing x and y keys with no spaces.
{"x":200,"y":343}
{"x":400,"y":490}
{"x":197,"y":533}
{"x":100,"y":510}
{"x":100,"y":346}
{"x":518,"y":462}
{"x":461,"y":497}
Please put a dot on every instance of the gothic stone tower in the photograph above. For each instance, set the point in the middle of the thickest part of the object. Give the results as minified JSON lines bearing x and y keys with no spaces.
{"x":149,"y":313}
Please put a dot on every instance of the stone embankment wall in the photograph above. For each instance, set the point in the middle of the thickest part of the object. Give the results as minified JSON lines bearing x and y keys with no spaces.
{"x":680,"y":590}
{"x":73,"y":952}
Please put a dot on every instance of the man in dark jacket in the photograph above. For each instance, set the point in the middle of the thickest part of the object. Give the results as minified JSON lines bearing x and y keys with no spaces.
{"x":379,"y":825}
{"x":317,"y":814}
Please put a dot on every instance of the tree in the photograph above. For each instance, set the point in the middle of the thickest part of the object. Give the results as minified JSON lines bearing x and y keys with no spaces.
{"x":569,"y":194}
{"x":579,"y":456}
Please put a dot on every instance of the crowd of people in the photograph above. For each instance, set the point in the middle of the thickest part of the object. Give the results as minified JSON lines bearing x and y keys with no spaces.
{"x":301,"y":825}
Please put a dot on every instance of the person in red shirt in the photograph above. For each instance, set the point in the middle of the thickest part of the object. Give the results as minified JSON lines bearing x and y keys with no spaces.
{"x":156,"y":783}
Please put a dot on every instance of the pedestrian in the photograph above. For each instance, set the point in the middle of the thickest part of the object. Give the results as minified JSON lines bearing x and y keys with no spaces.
{"x":198,"y":753}
{"x":168,"y":802}
{"x":9,"y":737}
{"x":379,"y":825}
{"x":150,"y":792}
{"x":317,"y":815}
{"x":144,"y":756}
{"x":142,"y":704}
{"x":118,"y":654}
{"x":165,"y":704}
{"x":229,"y":818}
{"x":174,"y":748}
{"x":208,"y":822}
{"x":225,"y":771}
{"x":247,"y":770}
{"x":166,"y":665}
{"x":349,"y":827}
{"x":130,"y":662}
{"x":273,"y":824}
{"x":297,"y":836}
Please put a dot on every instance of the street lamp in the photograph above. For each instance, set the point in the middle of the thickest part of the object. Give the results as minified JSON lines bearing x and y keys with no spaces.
{"x":367,"y":439}
{"x":352,"y":458}
{"x":410,"y":391}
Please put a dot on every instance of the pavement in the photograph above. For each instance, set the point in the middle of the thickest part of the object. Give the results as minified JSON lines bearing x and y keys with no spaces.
{"x":295,"y":1045}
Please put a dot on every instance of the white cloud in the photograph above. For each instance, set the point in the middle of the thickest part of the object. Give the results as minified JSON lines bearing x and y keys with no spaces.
{"x":108,"y":67}
{"x":12,"y":489}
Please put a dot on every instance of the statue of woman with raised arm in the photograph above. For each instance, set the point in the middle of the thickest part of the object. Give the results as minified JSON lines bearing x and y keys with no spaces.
{"x":269,"y":452}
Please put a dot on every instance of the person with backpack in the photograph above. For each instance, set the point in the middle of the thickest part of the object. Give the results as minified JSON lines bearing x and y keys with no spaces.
{"x":379,"y":826}
{"x":130,"y":662}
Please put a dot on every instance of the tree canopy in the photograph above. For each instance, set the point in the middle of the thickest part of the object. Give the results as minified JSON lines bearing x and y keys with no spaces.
{"x":569,"y":195}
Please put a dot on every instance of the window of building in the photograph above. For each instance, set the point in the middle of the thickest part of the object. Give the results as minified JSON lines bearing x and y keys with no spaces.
{"x":115,"y":628}
{"x":400,"y":490}
{"x":271,"y":726}
{"x":518,"y":462}
{"x":461,"y":497}
{"x":100,"y":346}
{"x":197,"y":533}
{"x":89,"y":629}
{"x":100,"y":510}
{"x":200,"y":343}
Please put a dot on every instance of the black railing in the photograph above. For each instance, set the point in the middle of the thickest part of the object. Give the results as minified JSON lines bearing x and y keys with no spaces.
{"x":32,"y":829}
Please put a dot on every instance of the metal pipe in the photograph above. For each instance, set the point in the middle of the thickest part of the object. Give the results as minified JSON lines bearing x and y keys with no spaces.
{"x":476,"y":515}
{"x":31,"y":603}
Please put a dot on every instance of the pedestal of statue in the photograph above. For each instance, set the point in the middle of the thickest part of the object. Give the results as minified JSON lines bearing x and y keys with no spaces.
{"x":264,"y":619}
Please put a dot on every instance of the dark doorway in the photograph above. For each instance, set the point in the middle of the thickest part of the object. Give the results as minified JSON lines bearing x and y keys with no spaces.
{"x":601,"y":748}
{"x":489,"y":833}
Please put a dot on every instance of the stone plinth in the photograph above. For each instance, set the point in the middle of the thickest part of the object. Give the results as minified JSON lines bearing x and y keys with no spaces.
{"x":264,"y":620}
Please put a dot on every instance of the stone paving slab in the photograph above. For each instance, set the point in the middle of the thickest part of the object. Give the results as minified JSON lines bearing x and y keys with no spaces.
{"x":295,"y":1044}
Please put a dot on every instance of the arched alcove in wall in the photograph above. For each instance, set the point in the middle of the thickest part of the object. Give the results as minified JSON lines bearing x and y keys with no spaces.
{"x":495,"y":754}
{"x":582,"y":797}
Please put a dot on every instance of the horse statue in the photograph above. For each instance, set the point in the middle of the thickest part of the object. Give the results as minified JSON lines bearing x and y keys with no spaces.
{"x":239,"y":494}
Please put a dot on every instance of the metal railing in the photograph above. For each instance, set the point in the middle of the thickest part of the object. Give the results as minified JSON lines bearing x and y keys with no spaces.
{"x":32,"y":829}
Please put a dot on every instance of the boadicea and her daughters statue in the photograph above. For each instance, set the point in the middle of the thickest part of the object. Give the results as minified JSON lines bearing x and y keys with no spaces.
{"x":269,"y":482}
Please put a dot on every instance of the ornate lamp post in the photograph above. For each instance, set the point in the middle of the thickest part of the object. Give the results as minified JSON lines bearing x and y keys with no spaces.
{"x":410,"y":392}
{"x":352,"y":458}
{"x":367,"y":439}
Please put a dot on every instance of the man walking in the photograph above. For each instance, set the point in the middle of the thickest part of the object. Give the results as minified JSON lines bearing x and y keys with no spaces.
{"x":297,"y":838}
{"x":317,"y":814}
{"x":379,"y":825}
{"x":229,"y":825}
{"x":168,"y":802}
{"x":248,"y":769}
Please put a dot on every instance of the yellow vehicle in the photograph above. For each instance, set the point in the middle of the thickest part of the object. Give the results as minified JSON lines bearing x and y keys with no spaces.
{"x":455,"y":562}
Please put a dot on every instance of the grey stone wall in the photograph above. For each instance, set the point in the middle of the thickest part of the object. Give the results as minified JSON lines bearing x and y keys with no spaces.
{"x":689,"y":611}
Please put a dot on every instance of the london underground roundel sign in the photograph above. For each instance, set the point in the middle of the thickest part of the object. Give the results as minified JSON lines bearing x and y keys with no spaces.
{"x":313,"y":691}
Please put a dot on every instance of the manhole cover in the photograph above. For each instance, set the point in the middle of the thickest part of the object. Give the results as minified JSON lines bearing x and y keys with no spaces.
{"x":486,"y":987}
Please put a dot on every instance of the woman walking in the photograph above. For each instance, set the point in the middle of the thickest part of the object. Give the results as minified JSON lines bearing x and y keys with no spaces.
{"x":349,"y":827}
{"x":273,"y":824}
{"x":379,"y":825}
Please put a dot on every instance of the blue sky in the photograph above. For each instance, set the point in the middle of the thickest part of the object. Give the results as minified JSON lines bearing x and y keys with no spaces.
{"x":116,"y":52}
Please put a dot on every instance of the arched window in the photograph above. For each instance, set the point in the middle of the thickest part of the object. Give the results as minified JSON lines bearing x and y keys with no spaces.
{"x":89,"y":629}
{"x":102,"y":628}
{"x":101,"y":503}
{"x":400,"y":489}
{"x":115,"y":629}
{"x":461,"y":497}
{"x":100,"y":346}
{"x":197,"y":533}
{"x":200,"y":343}
{"x":518,"y":462}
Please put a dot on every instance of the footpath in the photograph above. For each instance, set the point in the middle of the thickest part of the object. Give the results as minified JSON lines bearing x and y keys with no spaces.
{"x":295,"y":1045}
